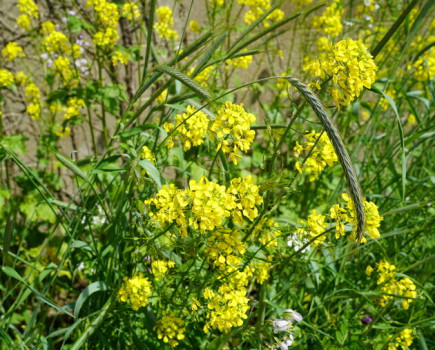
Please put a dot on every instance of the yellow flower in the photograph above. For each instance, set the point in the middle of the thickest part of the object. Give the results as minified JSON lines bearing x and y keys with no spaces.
{"x":192,"y":127}
{"x":373,"y":219}
{"x":246,"y":196}
{"x":403,"y":340}
{"x":411,"y":119}
{"x":224,"y":249}
{"x":226,"y":309}
{"x":147,"y":154}
{"x":47,"y":27}
{"x":262,"y":269}
{"x":28,"y":10}
{"x":170,"y":329}
{"x":32,"y":93}
{"x":162,"y":98}
{"x":315,"y":225}
{"x":210,"y":204}
{"x":6,"y":78}
{"x":34,"y":110}
{"x":322,"y":154}
{"x":171,"y":204}
{"x":160,"y":268}
{"x":12,"y":51}
{"x":232,"y":128}
{"x":350,"y":66}
{"x":106,"y":12}
{"x":73,"y":107}
{"x":241,"y":62}
{"x":257,"y":9}
{"x":369,"y":270}
{"x":194,"y":26}
{"x":131,"y":11}
{"x":56,"y":42}
{"x":106,"y":38}
{"x":136,"y":290}
{"x":22,"y":79}
{"x":330,"y":20}
{"x":203,"y":77}
{"x":24,"y":22}
{"x":63,"y":132}
{"x":120,"y":57}
{"x":165,"y":24}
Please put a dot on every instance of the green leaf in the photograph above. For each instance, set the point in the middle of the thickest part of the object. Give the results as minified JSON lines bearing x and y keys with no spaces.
{"x":98,"y":286}
{"x":14,"y":274}
{"x":151,"y":171}
{"x":16,"y":143}
{"x":45,"y":213}
{"x":402,"y":137}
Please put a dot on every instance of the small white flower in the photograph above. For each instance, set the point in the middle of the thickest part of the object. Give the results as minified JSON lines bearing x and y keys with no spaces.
{"x":71,"y":12}
{"x":293,"y":241}
{"x":81,"y":266}
{"x":292,"y":315}
{"x":285,"y":343}
{"x":281,"y":325}
{"x":44,"y":56}
{"x":367,"y":3}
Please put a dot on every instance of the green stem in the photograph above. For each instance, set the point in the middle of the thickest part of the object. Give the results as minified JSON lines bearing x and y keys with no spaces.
{"x":94,"y":325}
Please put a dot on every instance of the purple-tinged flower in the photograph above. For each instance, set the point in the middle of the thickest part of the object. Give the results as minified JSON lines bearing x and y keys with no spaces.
{"x":44,"y":56}
{"x":366,"y":320}
{"x":71,"y":12}
{"x":292,"y":315}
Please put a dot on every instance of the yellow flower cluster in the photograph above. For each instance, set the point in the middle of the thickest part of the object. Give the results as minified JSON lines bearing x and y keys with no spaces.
{"x":56,"y":42}
{"x":233,"y":128}
{"x":28,"y":10}
{"x":147,"y":154}
{"x":107,"y":17}
{"x":403,"y":340}
{"x":12,"y":51}
{"x":6,"y":78}
{"x":191,"y":127}
{"x":73,"y":106}
{"x":120,"y":57}
{"x":257,"y":9}
{"x":194,"y":26}
{"x":241,"y":62}
{"x":226,"y":308}
{"x":224,"y":248}
{"x":170,"y":329}
{"x":203,"y":77}
{"x":165,"y":23}
{"x":424,"y":66}
{"x":171,"y":204}
{"x":373,"y":219}
{"x":330,"y":21}
{"x":32,"y":94}
{"x":351,"y":67}
{"x":390,"y":285}
{"x":322,"y":153}
{"x":136,"y":290}
{"x":160,"y":267}
{"x":314,"y":226}
{"x":131,"y":11}
{"x":61,"y":67}
{"x":262,"y":271}
{"x":246,"y":196}
{"x":209,"y":203}
{"x":47,"y":27}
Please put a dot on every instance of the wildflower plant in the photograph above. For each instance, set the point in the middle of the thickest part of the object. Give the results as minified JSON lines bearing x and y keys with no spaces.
{"x":216,"y":174}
